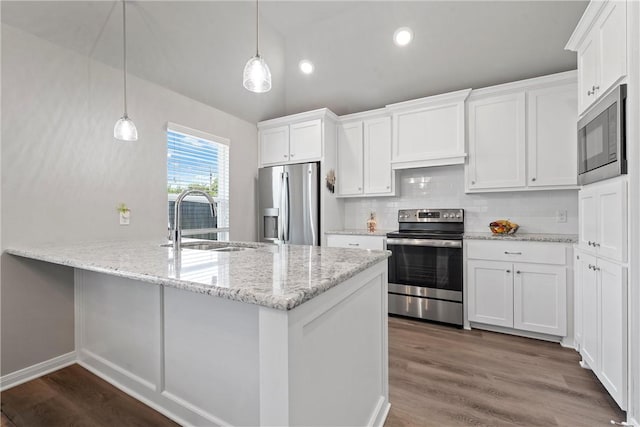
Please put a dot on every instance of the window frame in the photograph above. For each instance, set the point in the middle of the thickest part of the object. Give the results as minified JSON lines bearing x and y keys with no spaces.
{"x":185,"y":130}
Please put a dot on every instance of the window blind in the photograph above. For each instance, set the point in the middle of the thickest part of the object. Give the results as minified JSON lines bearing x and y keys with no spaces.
{"x":195,"y":162}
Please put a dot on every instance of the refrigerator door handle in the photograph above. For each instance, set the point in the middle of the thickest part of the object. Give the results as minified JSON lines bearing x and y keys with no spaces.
{"x":287,"y":215}
{"x":281,"y":208}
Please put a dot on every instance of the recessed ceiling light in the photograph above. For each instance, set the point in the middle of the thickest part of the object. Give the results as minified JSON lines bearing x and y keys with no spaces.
{"x":403,"y":36}
{"x":306,"y":66}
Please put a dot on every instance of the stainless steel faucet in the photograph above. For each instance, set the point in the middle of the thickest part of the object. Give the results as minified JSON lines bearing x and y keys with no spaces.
{"x":176,"y":233}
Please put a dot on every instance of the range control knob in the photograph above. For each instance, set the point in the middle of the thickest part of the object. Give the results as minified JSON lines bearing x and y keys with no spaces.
{"x":446,"y":215}
{"x":458,"y":216}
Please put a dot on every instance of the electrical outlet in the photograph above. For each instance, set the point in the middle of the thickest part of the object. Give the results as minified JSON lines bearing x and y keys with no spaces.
{"x":125,"y":218}
{"x":561,"y":216}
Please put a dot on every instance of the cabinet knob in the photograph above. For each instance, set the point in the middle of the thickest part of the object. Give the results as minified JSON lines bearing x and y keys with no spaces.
{"x":508,"y":271}
{"x":589,"y":243}
{"x":589,"y":93}
{"x":473,"y":182}
{"x":388,"y":188}
{"x":517,"y":271}
{"x":359,"y":188}
{"x":590,"y":267}
{"x":533,"y":179}
{"x":292,"y":154}
{"x":285,"y":156}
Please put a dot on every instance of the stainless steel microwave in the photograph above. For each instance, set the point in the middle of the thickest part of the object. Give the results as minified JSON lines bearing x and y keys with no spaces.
{"x":601,"y":139}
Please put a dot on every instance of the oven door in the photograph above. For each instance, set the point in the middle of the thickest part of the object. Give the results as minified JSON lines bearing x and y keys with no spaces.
{"x":426,"y":268}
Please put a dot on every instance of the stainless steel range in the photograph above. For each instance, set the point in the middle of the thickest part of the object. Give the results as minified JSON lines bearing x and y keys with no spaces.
{"x":425,"y":268}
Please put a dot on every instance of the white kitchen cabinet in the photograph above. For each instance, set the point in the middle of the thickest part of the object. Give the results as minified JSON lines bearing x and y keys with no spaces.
{"x":519,"y":286}
{"x":274,"y":145}
{"x":603,"y":311}
{"x":357,"y":241}
{"x":551,"y":136}
{"x":305,"y":141}
{"x":364,"y":157}
{"x":429,"y":131}
{"x":613,"y":336}
{"x":590,"y":311}
{"x":298,"y":138}
{"x":490,"y":292}
{"x":540,"y":298}
{"x":600,"y":41}
{"x":350,"y":159}
{"x":378,"y":175}
{"x":522,"y":135}
{"x":603,"y":219}
{"x":497,"y":142}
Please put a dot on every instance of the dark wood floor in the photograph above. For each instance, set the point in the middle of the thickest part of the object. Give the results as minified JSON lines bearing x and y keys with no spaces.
{"x":438,"y":376}
{"x":441,"y":376}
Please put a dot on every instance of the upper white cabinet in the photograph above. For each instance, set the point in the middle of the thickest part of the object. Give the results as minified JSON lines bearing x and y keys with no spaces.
{"x":551,"y":136}
{"x":293,"y":139}
{"x":274,"y":145}
{"x":429,"y":131}
{"x":350,"y":178}
{"x":497,"y":142}
{"x":364,"y":156}
{"x":600,"y":40}
{"x":603,"y":219}
{"x":305,"y":141}
{"x":522,"y":135}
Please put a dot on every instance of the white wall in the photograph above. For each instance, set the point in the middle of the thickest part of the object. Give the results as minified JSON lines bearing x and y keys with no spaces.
{"x":63,"y":174}
{"x":443,"y":187}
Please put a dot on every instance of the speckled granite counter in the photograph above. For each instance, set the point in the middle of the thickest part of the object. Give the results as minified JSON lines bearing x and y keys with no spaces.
{"x":525,"y":237}
{"x":359,"y":232}
{"x":280,"y":277}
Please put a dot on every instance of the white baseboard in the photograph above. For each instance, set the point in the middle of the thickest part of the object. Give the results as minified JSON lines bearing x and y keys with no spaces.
{"x":633,"y":422}
{"x":35,"y":371}
{"x":379,"y":415}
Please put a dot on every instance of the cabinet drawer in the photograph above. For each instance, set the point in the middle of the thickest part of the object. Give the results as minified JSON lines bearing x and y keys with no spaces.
{"x":518,"y":251}
{"x":356,"y":241}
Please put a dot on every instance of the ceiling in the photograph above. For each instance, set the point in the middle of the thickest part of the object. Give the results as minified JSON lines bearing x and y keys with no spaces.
{"x":199,"y":48}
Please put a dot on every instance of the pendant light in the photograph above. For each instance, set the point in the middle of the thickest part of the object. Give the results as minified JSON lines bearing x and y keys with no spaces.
{"x":125,"y":130}
{"x":256,"y":76}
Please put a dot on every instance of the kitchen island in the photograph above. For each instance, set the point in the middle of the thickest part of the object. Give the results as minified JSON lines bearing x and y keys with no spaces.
{"x":251,"y":335}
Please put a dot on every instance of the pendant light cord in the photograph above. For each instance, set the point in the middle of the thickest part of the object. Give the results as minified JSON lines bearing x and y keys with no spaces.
{"x":124,"y":53}
{"x":257,"y":30}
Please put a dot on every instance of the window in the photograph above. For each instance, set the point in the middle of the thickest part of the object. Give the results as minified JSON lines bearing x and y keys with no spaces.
{"x":197,"y":160}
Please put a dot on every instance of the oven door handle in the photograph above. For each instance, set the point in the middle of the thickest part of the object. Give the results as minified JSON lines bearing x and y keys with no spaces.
{"x":434,"y":243}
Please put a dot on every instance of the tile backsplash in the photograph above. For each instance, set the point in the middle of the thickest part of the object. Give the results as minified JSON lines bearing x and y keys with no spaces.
{"x":443,"y":187}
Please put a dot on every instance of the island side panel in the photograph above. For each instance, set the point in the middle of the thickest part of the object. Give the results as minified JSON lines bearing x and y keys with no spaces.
{"x":190,"y":356}
{"x":337,"y":370}
{"x":118,"y":328}
{"x":211,"y":357}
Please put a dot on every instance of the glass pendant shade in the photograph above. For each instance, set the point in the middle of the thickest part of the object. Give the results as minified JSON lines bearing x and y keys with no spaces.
{"x":257,"y":76}
{"x":125,"y":130}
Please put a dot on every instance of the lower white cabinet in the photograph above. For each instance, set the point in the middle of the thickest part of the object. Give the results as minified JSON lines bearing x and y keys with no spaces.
{"x":603,"y":309}
{"x":357,"y":241}
{"x":540,"y":298}
{"x":490,"y":292}
{"x":515,"y":285}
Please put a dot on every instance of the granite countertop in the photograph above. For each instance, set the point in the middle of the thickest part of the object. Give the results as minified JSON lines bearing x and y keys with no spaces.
{"x":359,"y":232}
{"x":279,"y":277}
{"x":525,"y":237}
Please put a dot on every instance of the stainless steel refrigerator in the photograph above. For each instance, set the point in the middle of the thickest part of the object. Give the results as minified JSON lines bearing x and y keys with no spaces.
{"x":289,"y":204}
